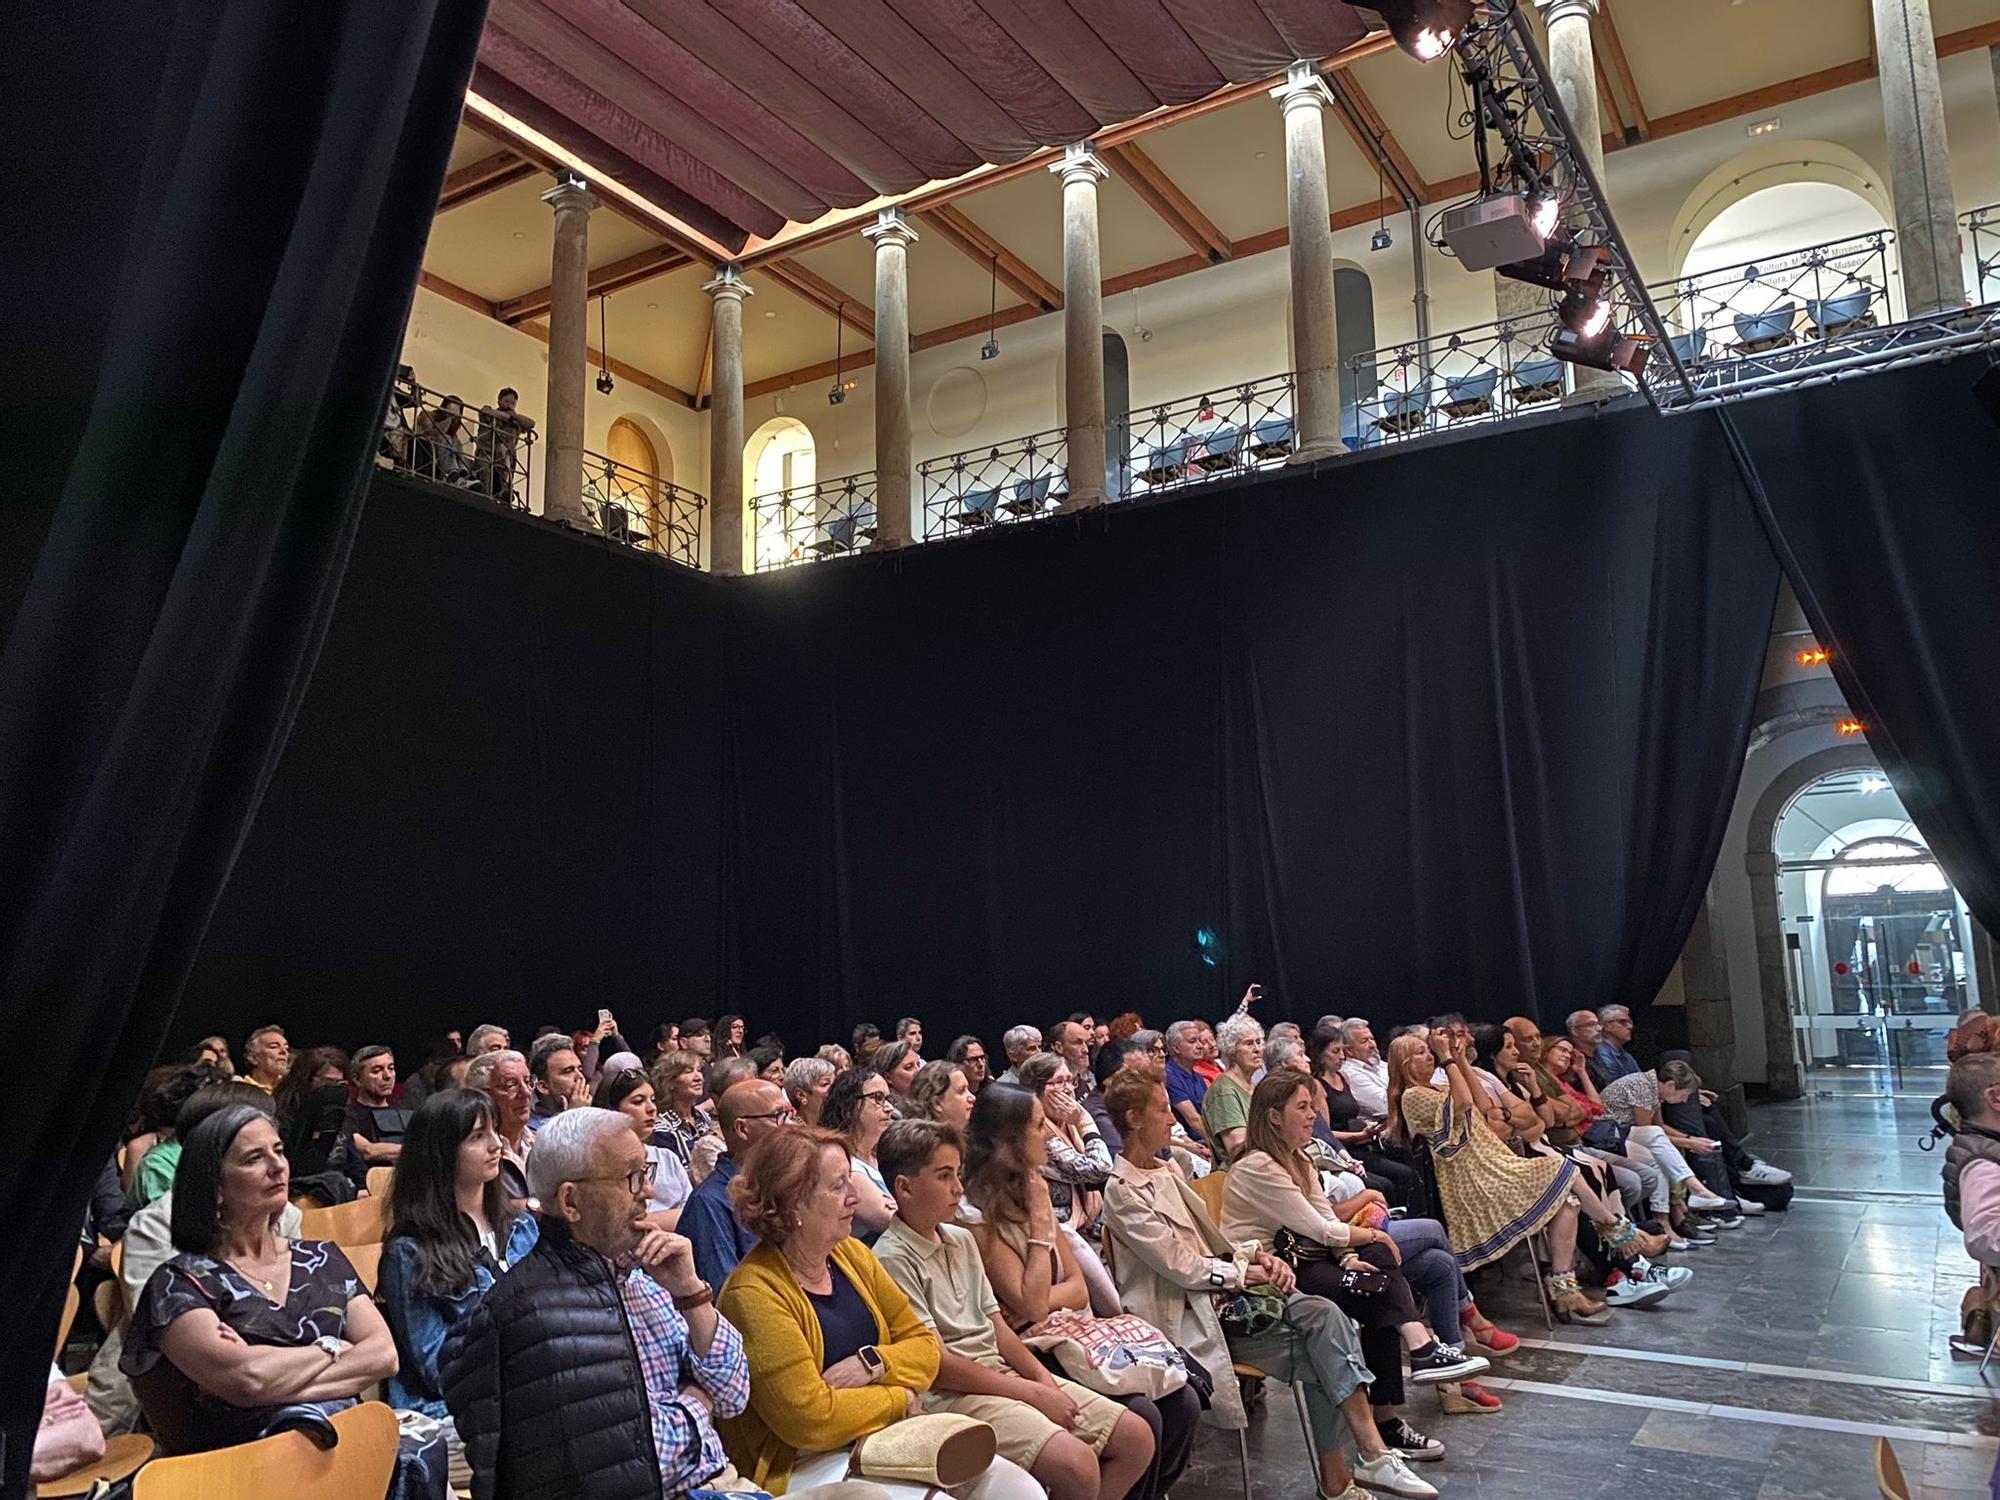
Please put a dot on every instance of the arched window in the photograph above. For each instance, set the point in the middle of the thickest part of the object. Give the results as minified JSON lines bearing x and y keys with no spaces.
{"x":780,"y":466}
{"x":1117,"y":412}
{"x":1354,"y":333}
{"x":1862,"y":880}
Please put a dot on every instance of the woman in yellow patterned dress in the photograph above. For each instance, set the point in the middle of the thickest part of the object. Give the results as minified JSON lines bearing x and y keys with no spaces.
{"x":1493,"y":1199}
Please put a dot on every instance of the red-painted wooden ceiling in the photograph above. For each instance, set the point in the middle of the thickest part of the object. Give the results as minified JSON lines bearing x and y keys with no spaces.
{"x":740,"y":115}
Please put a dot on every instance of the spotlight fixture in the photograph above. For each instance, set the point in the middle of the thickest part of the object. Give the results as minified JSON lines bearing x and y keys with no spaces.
{"x":1583,"y":310}
{"x":1589,"y":337}
{"x":1426,"y":29}
{"x":839,"y":392}
{"x":1544,"y":212}
{"x":1562,"y":264}
{"x":991,"y":348}
{"x":605,"y":384}
{"x":1381,"y":239}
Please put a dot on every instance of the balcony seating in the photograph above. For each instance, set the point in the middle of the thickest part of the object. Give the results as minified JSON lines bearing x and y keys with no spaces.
{"x":1535,"y":381}
{"x":837,"y":537}
{"x":1688,"y":347}
{"x":1832,"y":316}
{"x":1165,"y":465}
{"x":1470,"y":395}
{"x":1032,"y":496}
{"x":1216,"y":450}
{"x":1759,"y":333}
{"x":616,"y":521}
{"x":1403,"y":412}
{"x":976,"y":508}
{"x":1272,"y":438}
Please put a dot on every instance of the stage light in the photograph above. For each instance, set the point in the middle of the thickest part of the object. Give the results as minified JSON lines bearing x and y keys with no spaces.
{"x":1381,"y":239}
{"x":1583,"y":309}
{"x":1426,"y":29}
{"x":1812,"y":656}
{"x":1544,"y":212}
{"x":1849,"y":727}
{"x":1562,"y":264}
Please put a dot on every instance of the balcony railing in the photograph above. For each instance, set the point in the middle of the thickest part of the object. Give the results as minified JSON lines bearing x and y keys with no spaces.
{"x":1459,"y":379}
{"x":642,"y":510}
{"x":814,"y":521}
{"x":1982,"y":227}
{"x":432,"y":436}
{"x":1226,"y":430}
{"x":1015,"y":481}
{"x":1759,"y":307}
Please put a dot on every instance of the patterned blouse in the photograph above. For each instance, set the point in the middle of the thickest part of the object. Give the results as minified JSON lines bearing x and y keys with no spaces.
{"x":677,"y":1135}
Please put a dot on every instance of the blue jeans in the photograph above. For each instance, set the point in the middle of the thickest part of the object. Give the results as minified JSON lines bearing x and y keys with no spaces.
{"x":1432,"y":1272}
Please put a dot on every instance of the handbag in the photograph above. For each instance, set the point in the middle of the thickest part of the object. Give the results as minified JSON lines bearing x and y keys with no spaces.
{"x":1296,"y":1249}
{"x":939,"y":1451}
{"x":1122,"y":1355}
{"x":1198,"y":1379}
{"x":1254,"y":1310}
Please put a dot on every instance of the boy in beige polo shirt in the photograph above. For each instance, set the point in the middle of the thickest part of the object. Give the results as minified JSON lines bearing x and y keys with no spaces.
{"x":1078,"y":1444}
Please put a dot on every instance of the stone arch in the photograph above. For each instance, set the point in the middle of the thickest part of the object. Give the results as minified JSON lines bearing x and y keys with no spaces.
{"x":1761,"y":167}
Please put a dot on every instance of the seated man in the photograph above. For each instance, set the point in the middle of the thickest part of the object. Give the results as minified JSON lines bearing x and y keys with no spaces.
{"x":748,"y":1110}
{"x":597,"y":1365}
{"x":1078,"y":1444}
{"x":1609,"y":1059}
{"x":1186,"y":1089}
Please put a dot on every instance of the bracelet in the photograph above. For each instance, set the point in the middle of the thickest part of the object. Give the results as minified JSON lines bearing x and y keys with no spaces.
{"x":1043,"y":1244}
{"x":695,"y":1300}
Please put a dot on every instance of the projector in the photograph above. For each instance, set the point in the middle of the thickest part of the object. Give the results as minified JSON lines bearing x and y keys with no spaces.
{"x":1493,"y":231}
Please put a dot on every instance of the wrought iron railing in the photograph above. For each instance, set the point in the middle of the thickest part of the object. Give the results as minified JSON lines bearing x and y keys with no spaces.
{"x":434,"y":436}
{"x":1758,"y":307}
{"x":1014,"y":481}
{"x":810,"y":522}
{"x":1982,"y":227}
{"x":1459,"y":379}
{"x":1224,"y":430}
{"x":642,"y":510}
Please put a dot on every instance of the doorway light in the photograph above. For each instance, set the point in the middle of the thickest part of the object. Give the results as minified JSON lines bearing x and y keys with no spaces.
{"x":1764,"y":127}
{"x":1874,"y":784}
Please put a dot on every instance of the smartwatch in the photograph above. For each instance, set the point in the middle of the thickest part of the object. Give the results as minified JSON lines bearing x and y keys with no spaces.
{"x":871,"y":1361}
{"x":328,"y":1345}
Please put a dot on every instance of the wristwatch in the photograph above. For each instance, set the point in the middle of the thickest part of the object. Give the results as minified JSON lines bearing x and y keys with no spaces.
{"x":328,"y":1345}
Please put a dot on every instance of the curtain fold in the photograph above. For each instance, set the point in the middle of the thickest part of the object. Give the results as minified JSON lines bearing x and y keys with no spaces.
{"x":1890,"y":536}
{"x":291,"y":160}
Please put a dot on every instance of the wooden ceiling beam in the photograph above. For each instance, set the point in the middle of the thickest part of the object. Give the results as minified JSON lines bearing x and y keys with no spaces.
{"x":823,"y":294}
{"x":606,"y":279}
{"x":1020,"y":278}
{"x":1609,"y":110}
{"x":1612,"y":49}
{"x":1163,"y":196}
{"x":1371,"y":120}
{"x":430,"y":281}
{"x":489,"y":174}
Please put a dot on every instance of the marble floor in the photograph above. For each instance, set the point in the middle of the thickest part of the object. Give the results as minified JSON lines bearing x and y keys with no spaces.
{"x":1803,"y":1337}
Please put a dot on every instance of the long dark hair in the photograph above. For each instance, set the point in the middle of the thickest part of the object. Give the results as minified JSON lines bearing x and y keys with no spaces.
{"x":197,"y":1217}
{"x":996,"y":1169}
{"x":293,"y":1089}
{"x":722,"y":1046}
{"x":842,"y":1105}
{"x":424,"y":1204}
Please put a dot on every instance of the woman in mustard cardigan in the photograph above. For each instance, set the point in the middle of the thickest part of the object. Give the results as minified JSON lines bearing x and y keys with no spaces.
{"x":835,"y":1351}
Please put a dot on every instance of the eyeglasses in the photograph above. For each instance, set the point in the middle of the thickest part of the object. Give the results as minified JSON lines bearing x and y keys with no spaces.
{"x":881,"y":1098}
{"x":637,"y":1181}
{"x":783,"y":1116}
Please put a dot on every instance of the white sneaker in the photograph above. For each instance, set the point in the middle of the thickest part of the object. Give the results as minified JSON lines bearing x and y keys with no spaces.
{"x":1765,"y":1175}
{"x":1705,"y":1201}
{"x":1750,"y":1207}
{"x":1670,"y":1277}
{"x":1634,"y":1291}
{"x":1392,"y":1476}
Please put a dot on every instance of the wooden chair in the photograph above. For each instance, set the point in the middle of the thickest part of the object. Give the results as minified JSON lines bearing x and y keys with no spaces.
{"x":289,"y":1464}
{"x":356,"y":1223}
{"x":122,"y":1459}
{"x":1209,"y":1189}
{"x":72,"y":1300}
{"x":367,"y":1262}
{"x":380,"y":1181}
{"x":1889,"y":1473}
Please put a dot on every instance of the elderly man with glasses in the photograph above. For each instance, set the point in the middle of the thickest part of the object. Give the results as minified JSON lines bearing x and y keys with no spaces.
{"x":746,"y":1112}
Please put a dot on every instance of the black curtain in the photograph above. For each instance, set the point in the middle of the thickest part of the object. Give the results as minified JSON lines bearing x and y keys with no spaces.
{"x":281,"y":169}
{"x":1451,"y":729}
{"x":1891,"y":538}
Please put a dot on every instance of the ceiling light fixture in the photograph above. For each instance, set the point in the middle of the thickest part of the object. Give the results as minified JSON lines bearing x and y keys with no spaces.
{"x":605,"y":383}
{"x":991,"y":348}
{"x":1764,"y":127}
{"x":839,"y":392}
{"x":1426,"y":29}
{"x":1381,"y":239}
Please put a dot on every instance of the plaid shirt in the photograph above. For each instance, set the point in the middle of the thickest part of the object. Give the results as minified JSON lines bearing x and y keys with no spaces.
{"x":683,"y":1435}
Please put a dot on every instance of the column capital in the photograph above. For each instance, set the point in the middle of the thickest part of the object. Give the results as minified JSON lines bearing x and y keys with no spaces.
{"x":1567,"y":10}
{"x":1080,"y":163}
{"x":728,"y":283}
{"x":891,"y":227}
{"x":572,"y":193}
{"x":1303,"y":88}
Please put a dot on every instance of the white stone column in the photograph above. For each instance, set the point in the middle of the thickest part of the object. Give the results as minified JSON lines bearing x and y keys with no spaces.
{"x":1315,"y":330}
{"x":569,"y":331}
{"x":1573,"y":68}
{"x":892,"y":235}
{"x":725,"y":421}
{"x":1083,"y":324}
{"x":1919,"y":161}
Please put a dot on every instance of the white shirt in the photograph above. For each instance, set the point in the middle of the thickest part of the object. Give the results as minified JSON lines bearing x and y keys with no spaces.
{"x":1369,"y":1083}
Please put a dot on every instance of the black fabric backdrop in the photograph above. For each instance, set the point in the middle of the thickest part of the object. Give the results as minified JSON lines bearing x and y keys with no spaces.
{"x":275,"y":167}
{"x":1891,"y":539}
{"x":1454,"y":729}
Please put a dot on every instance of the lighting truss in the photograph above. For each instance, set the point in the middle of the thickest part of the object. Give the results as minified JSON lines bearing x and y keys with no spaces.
{"x":1515,"y":98}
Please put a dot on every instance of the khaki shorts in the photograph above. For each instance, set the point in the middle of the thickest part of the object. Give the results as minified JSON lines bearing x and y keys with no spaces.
{"x":1023,"y":1431}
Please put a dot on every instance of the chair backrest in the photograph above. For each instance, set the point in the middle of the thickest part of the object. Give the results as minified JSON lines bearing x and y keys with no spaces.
{"x":356,"y":1223}
{"x":1209,"y":1189}
{"x":72,"y":1299}
{"x":288,"y":1464}
{"x":380,"y":1180}
{"x":1889,"y":1473}
{"x":367,"y":1262}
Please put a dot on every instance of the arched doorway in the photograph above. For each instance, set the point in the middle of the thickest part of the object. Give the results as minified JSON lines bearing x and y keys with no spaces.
{"x":1354,"y":334}
{"x":635,"y":475}
{"x":1117,"y":413}
{"x":1877,"y":941}
{"x":780,"y":469}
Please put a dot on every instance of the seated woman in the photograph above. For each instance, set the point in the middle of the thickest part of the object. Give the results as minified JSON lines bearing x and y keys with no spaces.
{"x":1225,"y":1108}
{"x":1078,"y":1162}
{"x":1177,"y":1271}
{"x":630,"y":1092}
{"x":940,"y":1092}
{"x":898,"y":1062}
{"x":1272,"y":1194}
{"x":678,"y":1089}
{"x":806,"y":1081}
{"x":835,"y":1351}
{"x":1494,"y":1199}
{"x":452,"y":1232}
{"x":1037,"y":1266}
{"x":1352,"y":1130}
{"x":244,"y":1333}
{"x":858,"y":1108}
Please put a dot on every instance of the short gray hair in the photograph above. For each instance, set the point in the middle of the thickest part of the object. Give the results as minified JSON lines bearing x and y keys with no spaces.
{"x":1614,"y":1013}
{"x":481,"y":1033}
{"x":907,"y":1025}
{"x":564,"y":1146}
{"x":1352,"y":1027}
{"x":484,"y":1066}
{"x":1330,"y":1020}
{"x":806,"y":1073}
{"x":1233,"y":1033}
{"x":1180,"y":1031}
{"x":1679,"y":1074}
{"x":1284,"y":1052}
{"x":1570,"y":1020}
{"x":1019,"y":1039}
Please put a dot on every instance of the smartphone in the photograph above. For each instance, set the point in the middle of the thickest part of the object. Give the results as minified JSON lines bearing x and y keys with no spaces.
{"x":603,"y":1016}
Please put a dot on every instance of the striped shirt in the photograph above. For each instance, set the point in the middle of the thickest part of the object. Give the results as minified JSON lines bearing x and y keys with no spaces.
{"x":684,"y":1437}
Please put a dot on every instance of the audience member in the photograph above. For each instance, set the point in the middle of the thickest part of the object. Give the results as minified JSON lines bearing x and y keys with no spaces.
{"x":1185,"y":1087}
{"x":152,"y":1156}
{"x":941,"y":1092}
{"x":1070,"y":1040}
{"x":596,"y":1366}
{"x":697,"y":1037}
{"x":629,"y":1091}
{"x":312,"y":1102}
{"x":501,"y":427}
{"x":867,"y":1041}
{"x":836,"y":1054}
{"x":1076,"y":1161}
{"x":487,"y":1038}
{"x":1225,"y":1108}
{"x":898,"y":1063}
{"x":806,"y":1081}
{"x":559,"y":1081}
{"x":729,"y":1037}
{"x":769,"y":1063}
{"x":371,"y":1132}
{"x":1350,"y":1127}
{"x":1116,"y":1053}
{"x":214,"y":1049}
{"x":453,"y":1231}
{"x":266,"y":1056}
{"x":970,"y":1054}
{"x":443,"y":1050}
{"x":1972,"y":1160}
{"x":910,"y":1029}
{"x":503,"y":1075}
{"x":1634,"y":1101}
{"x":858,"y":1109}
{"x":436,"y":449}
{"x":748,"y":1111}
{"x":1610,"y":1060}
{"x":678,"y":1089}
{"x":836,"y":1351}
{"x":1365,"y":1069}
{"x":1020,"y":1043}
{"x":1078,"y":1444}
{"x":666,"y":1038}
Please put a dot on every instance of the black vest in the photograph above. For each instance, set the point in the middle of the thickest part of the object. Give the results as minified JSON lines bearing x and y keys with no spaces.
{"x":1972,"y":1143}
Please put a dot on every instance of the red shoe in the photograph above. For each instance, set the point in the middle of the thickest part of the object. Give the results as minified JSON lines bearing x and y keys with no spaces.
{"x":1482,"y":1337}
{"x":1467,"y":1399}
